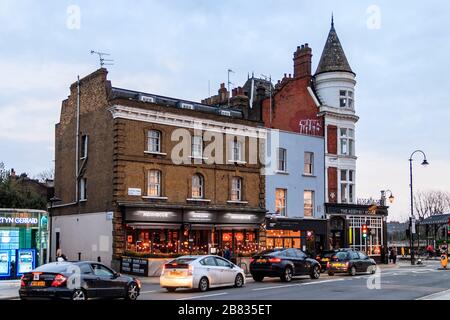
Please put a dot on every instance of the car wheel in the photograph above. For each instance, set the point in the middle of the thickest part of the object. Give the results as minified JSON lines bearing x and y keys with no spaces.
{"x":171,"y":289}
{"x":352,"y":271}
{"x":287,"y":275}
{"x":132,"y":292}
{"x":203,"y":285}
{"x":315,"y":273}
{"x":78,"y":295}
{"x":257,"y":277}
{"x":239,"y":281}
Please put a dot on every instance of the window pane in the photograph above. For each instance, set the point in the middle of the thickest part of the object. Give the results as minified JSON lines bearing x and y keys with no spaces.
{"x":282,"y":159}
{"x":343,"y":175}
{"x":342,"y":93}
{"x":343,"y":102}
{"x":351,"y":147}
{"x":236,"y":189}
{"x":154,"y":141}
{"x":350,"y":175}
{"x":350,"y":94}
{"x":197,"y":146}
{"x":308,"y":203}
{"x":154,"y":183}
{"x":197,"y":186}
{"x":280,"y":201}
{"x":343,"y":132}
{"x":344,"y":146}
{"x":350,"y":193}
{"x":343,"y":192}
{"x":309,"y":159}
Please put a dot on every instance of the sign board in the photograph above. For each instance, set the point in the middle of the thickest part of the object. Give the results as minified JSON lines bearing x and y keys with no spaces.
{"x":5,"y":263}
{"x":413,"y":225}
{"x":134,"y":266}
{"x":25,"y":261}
{"x":134,"y":191}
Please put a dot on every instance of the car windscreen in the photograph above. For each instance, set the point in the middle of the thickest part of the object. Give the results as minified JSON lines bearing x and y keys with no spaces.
{"x":54,"y":267}
{"x":182,"y":260}
{"x":341,"y":255}
{"x":270,"y":252}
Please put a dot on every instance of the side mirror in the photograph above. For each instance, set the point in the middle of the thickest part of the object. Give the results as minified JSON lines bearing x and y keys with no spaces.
{"x":116,"y":275}
{"x":231,"y":266}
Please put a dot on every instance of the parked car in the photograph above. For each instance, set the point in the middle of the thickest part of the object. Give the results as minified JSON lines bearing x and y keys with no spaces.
{"x":351,"y":261}
{"x":202,"y":272}
{"x":77,"y":281}
{"x":324,"y":258}
{"x":283,"y":263}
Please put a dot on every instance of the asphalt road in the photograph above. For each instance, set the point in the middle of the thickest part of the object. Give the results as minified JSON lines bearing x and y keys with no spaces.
{"x":404,"y":283}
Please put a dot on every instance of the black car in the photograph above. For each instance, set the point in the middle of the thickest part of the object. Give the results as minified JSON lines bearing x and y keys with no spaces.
{"x":351,"y":262}
{"x":283,"y":263}
{"x":324,"y":258}
{"x":77,"y":281}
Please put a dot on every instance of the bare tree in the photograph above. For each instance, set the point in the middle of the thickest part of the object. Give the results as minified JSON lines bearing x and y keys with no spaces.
{"x":48,"y":174}
{"x":430,"y":203}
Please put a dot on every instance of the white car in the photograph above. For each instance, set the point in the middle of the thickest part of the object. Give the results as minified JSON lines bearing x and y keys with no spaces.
{"x":202,"y":272}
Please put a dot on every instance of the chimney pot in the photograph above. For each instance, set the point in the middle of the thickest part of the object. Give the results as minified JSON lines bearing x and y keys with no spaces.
{"x":306,"y":45}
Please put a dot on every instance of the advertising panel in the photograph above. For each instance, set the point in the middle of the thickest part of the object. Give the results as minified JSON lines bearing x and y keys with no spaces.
{"x":25,"y":261}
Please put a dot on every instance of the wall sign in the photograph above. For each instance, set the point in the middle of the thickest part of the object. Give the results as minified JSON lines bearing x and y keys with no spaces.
{"x":152,"y":216}
{"x":134,"y":266}
{"x":134,"y":191}
{"x":4,"y":220}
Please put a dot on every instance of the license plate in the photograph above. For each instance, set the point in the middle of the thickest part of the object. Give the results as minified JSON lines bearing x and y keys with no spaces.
{"x":338,"y":265}
{"x":38,"y":283}
{"x":176,"y":273}
{"x":261,"y":261}
{"x":325,"y":259}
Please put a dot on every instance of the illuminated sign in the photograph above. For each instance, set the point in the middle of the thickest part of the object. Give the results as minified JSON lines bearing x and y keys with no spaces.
{"x":18,"y":220}
{"x":5,"y":263}
{"x":25,"y":261}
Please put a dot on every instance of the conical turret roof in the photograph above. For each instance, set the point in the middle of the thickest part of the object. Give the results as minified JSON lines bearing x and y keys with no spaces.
{"x":333,"y":57}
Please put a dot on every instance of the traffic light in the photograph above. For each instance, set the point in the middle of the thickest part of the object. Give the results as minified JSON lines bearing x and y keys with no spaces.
{"x":364,"y":231}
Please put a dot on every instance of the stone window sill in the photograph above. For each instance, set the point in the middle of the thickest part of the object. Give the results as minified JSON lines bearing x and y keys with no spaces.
{"x":156,"y":153}
{"x":154,"y":198}
{"x":198,"y":200}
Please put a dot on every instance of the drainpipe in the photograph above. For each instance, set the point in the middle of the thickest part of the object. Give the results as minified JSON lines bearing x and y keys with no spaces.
{"x":77,"y":135}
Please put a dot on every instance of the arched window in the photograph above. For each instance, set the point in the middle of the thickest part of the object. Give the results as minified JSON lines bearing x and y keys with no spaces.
{"x":198,"y":186}
{"x":154,"y":183}
{"x":154,"y":141}
{"x":236,"y":189}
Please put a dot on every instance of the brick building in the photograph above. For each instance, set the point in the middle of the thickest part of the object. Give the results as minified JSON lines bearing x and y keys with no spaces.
{"x":127,"y":183}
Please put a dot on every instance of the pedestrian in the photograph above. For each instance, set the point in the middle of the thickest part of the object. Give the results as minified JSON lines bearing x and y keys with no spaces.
{"x":227,"y":253}
{"x":60,"y":257}
{"x":394,"y":255}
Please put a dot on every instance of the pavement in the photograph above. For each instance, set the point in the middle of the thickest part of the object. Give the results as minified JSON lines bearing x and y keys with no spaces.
{"x":401,"y":281}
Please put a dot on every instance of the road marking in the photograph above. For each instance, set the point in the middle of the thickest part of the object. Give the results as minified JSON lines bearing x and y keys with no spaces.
{"x":204,"y":296}
{"x":297,"y":284}
{"x":428,"y":297}
{"x":276,"y":287}
{"x":148,"y":291}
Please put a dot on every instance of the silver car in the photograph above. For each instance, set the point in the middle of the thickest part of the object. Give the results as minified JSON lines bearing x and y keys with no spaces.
{"x":202,"y":272}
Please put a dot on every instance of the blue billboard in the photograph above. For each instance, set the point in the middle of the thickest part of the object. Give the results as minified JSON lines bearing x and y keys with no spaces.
{"x":5,"y":263}
{"x":25,"y":261}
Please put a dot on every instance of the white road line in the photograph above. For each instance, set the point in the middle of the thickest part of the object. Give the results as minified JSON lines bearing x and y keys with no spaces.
{"x":204,"y":296}
{"x":276,"y":287}
{"x":148,"y":291}
{"x":297,"y":284}
{"x":436,"y":294}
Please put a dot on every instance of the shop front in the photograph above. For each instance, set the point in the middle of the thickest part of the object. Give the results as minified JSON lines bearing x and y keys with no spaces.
{"x":23,"y":241}
{"x":306,"y":234}
{"x":180,"y":231}
{"x":345,"y":228}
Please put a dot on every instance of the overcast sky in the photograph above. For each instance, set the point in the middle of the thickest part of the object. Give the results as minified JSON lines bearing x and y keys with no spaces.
{"x":400,"y":53}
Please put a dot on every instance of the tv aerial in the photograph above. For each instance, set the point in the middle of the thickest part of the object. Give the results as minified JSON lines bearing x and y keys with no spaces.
{"x":103,"y":61}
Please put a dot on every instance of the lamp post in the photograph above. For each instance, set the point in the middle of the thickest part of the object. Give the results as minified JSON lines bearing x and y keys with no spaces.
{"x":424,"y":163}
{"x":52,"y":201}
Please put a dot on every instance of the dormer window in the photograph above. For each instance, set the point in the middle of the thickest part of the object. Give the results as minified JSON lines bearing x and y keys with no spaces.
{"x":346,"y":99}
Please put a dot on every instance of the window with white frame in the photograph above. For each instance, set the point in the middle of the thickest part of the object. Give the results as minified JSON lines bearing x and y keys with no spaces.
{"x":347,"y":141}
{"x":237,"y":150}
{"x":197,"y":147}
{"x":280,"y":201}
{"x":282,"y":159}
{"x":154,"y":183}
{"x":154,"y":141}
{"x":83,"y":189}
{"x":308,"y":203}
{"x":309,"y":163}
{"x":347,"y":186}
{"x":374,"y":239}
{"x":84,"y":146}
{"x":236,"y":189}
{"x":346,"y":99}
{"x":198,"y":186}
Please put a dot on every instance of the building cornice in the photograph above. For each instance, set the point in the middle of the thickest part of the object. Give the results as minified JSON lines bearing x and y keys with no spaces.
{"x":182,"y":121}
{"x":328,"y":111}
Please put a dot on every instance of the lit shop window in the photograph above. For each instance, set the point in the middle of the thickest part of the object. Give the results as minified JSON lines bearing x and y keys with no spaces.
{"x":308,"y":205}
{"x":346,"y":99}
{"x":154,"y":183}
{"x":280,"y":201}
{"x":198,"y":185}
{"x":347,"y":139}
{"x":154,"y":141}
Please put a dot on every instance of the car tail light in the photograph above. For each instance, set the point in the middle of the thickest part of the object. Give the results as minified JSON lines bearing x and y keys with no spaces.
{"x":328,"y":265}
{"x":347,"y":264}
{"x":163,"y":269}
{"x":22,"y":283}
{"x":190,"y":270}
{"x":59,"y":280}
{"x":274,"y":260}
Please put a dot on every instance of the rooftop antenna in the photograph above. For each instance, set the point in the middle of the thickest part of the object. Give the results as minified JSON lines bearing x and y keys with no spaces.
{"x":229,"y":83}
{"x":103,"y":61}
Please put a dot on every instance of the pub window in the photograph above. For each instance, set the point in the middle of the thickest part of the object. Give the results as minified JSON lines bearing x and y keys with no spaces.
{"x":154,"y":141}
{"x":309,"y":163}
{"x":198,"y":185}
{"x":280,"y":201}
{"x":236,"y":189}
{"x":308,"y":203}
{"x":154,"y":183}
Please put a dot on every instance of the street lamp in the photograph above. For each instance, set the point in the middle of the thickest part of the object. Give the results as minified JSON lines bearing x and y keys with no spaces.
{"x":383,"y":197}
{"x":424,"y":163}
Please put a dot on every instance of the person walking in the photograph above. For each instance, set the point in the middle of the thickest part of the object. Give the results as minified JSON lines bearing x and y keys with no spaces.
{"x":227,"y":253}
{"x":60,"y":257}
{"x":394,"y":255}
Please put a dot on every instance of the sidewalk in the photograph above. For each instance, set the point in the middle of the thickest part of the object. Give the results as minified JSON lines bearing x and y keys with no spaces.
{"x":9,"y":289}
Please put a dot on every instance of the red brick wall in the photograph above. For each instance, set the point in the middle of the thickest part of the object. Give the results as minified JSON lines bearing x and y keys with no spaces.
{"x":331,"y":139}
{"x":293,"y":109}
{"x":332,"y":184}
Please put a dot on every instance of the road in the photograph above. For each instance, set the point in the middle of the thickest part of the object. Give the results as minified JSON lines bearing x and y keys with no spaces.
{"x":404,"y":283}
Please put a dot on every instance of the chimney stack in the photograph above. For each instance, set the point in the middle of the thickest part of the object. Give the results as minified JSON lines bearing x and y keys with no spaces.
{"x":302,"y":61}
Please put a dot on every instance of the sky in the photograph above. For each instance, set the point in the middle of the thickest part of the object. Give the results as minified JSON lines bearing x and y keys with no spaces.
{"x":399,"y":52}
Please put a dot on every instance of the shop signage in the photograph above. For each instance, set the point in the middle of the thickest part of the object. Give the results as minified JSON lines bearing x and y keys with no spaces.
{"x":354,"y":209}
{"x":5,"y":263}
{"x":310,"y":225}
{"x":18,"y":220}
{"x":197,"y":216}
{"x":241,"y":218}
{"x":153,"y":216}
{"x":134,"y":266}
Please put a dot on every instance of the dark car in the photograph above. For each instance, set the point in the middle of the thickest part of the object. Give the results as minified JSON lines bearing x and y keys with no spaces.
{"x":283,"y":263}
{"x":324,"y":258}
{"x":351,"y":262}
{"x":77,"y":281}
